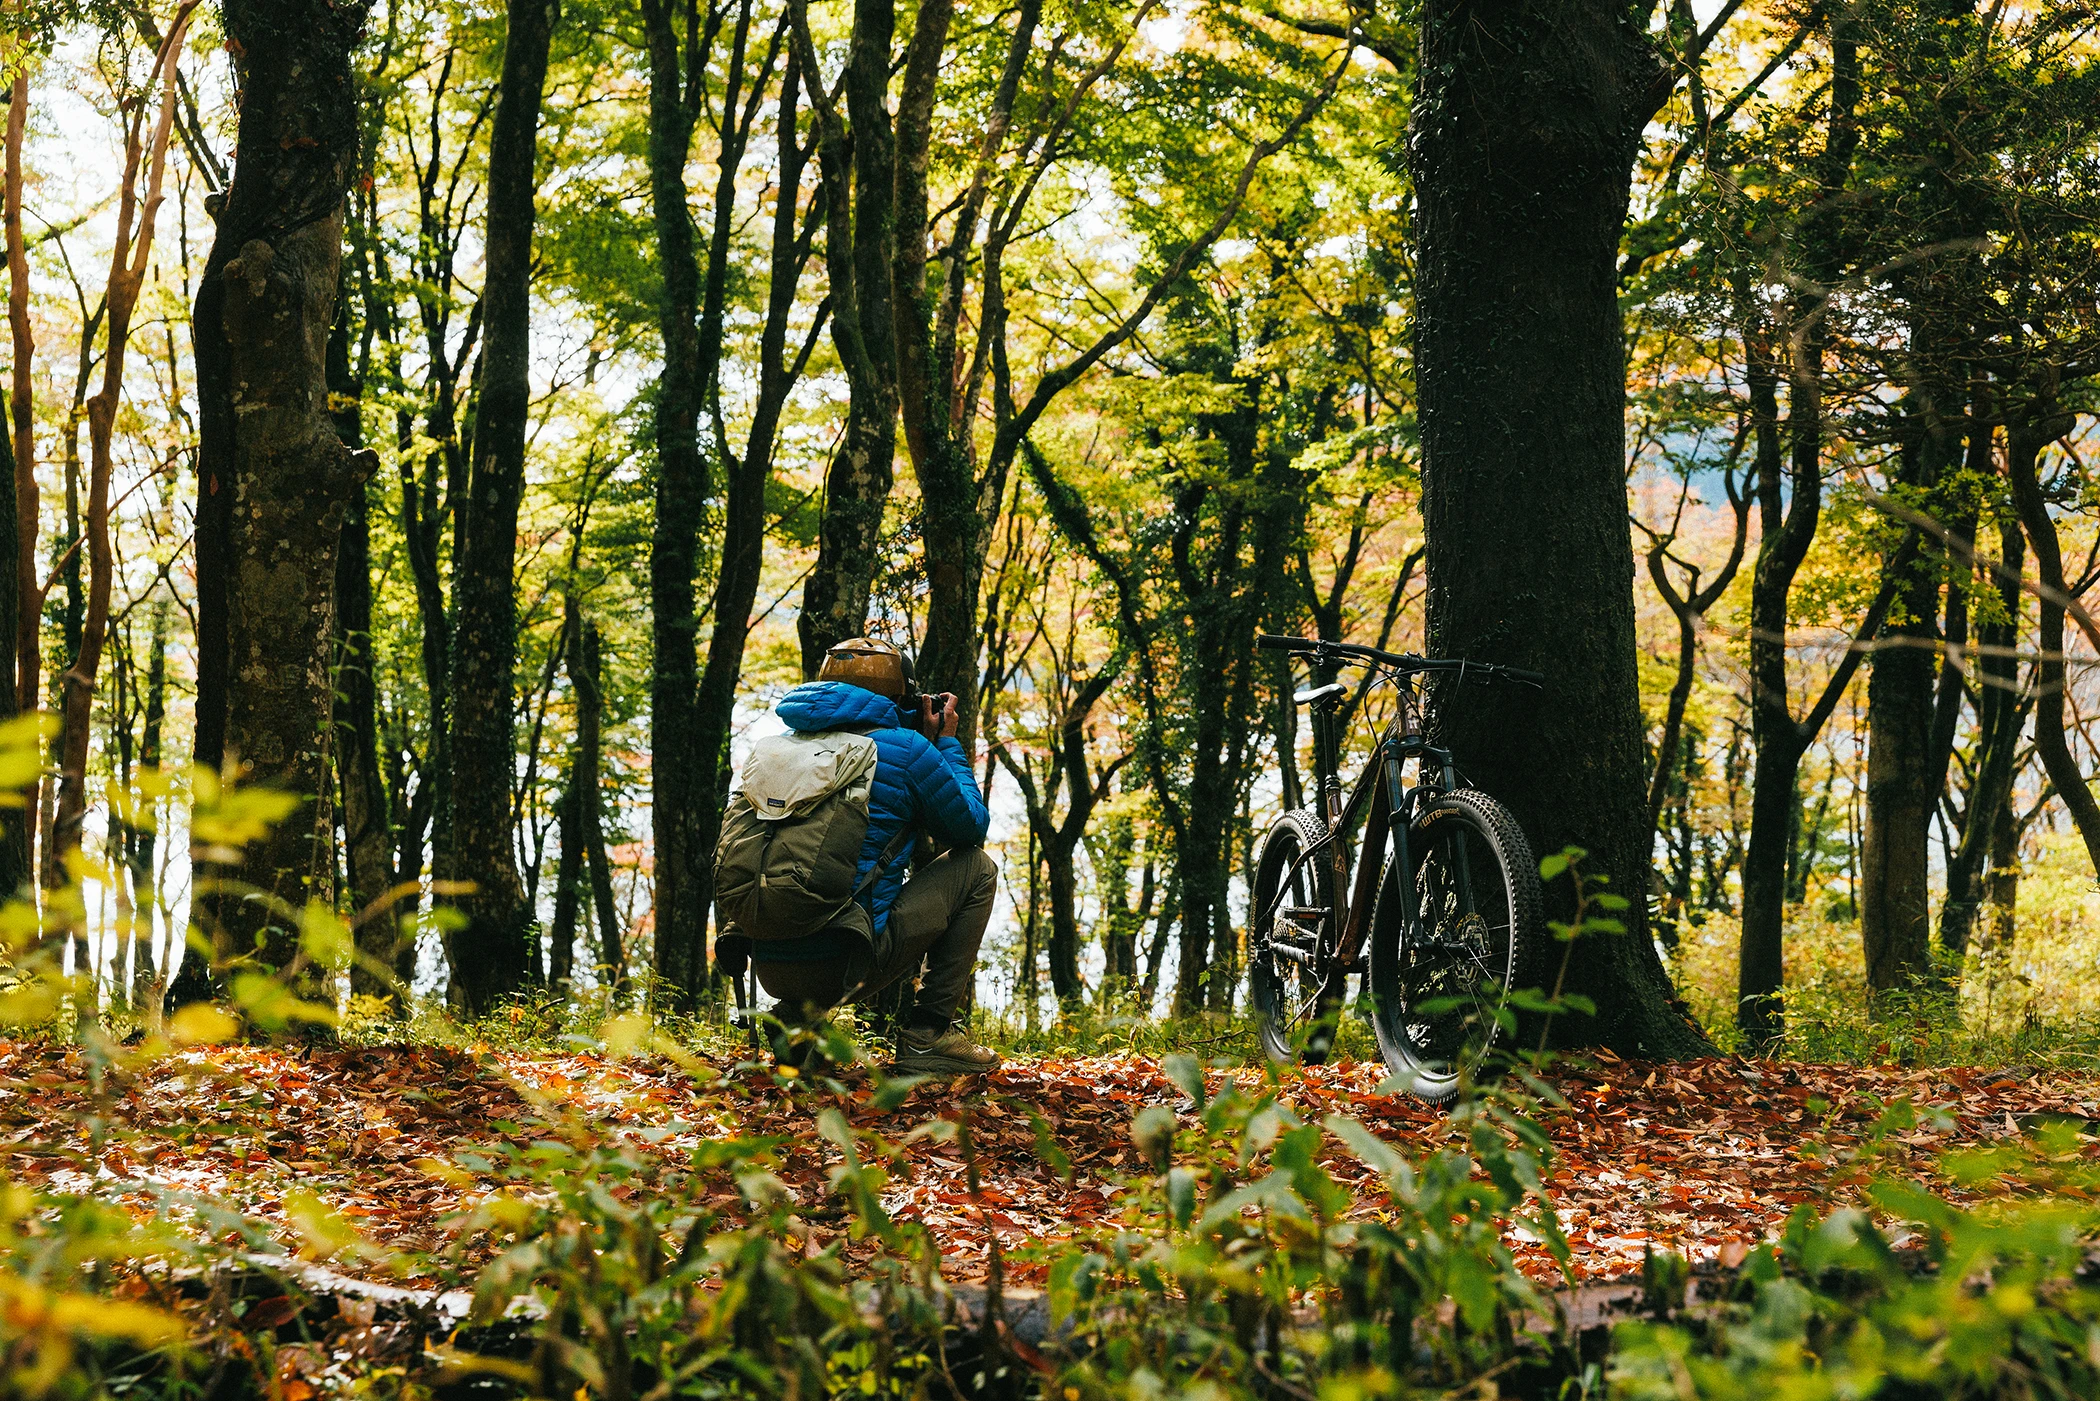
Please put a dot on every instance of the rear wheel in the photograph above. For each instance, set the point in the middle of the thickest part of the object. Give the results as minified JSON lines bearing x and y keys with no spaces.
{"x":1296,"y":992}
{"x":1440,"y":990}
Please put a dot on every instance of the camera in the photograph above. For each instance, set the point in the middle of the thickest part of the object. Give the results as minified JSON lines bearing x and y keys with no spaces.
{"x":912,"y":709}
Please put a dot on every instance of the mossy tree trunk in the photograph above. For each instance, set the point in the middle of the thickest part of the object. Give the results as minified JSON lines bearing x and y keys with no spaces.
{"x":275,"y":480}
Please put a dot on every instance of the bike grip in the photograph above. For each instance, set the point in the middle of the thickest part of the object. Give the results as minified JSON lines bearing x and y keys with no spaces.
{"x":1278,"y":642}
{"x":1529,"y":678}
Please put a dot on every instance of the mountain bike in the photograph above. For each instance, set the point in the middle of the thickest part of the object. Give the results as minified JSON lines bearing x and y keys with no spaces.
{"x":1445,"y":894}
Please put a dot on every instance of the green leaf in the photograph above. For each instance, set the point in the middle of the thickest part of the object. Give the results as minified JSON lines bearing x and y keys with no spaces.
{"x":1181,"y":1196}
{"x":1053,"y":1157}
{"x":1153,"y":1133}
{"x":1367,"y":1147}
{"x":894,"y":1090}
{"x":1185,"y":1073}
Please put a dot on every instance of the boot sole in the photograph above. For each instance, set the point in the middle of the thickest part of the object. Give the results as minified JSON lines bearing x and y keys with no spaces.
{"x":940,"y":1065}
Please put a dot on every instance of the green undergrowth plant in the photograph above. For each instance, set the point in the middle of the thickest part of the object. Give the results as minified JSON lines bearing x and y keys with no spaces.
{"x":604,"y":1264}
{"x":2000,"y":1304}
{"x":1246,"y":1269}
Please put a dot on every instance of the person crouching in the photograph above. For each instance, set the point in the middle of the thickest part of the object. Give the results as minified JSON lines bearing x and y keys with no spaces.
{"x":815,"y":881}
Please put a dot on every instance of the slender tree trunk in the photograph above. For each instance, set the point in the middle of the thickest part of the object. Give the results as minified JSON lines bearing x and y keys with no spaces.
{"x":568,"y":883}
{"x":2001,"y":714}
{"x":2030,"y":432}
{"x":275,"y":480}
{"x":1525,"y":128}
{"x":15,"y":869}
{"x":677,"y":782}
{"x":29,"y":662}
{"x":1780,"y":740}
{"x":612,"y":948}
{"x":744,"y":505}
{"x":493,"y":952}
{"x":584,"y":677}
{"x":144,"y":840}
{"x":1061,"y":882}
{"x":2001,"y":888}
{"x":1162,"y":933}
{"x":1895,"y":916}
{"x":367,"y":834}
{"x":145,"y":155}
{"x":860,"y":183}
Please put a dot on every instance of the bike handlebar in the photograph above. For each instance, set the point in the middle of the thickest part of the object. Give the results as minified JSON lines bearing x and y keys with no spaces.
{"x":1402,"y":661}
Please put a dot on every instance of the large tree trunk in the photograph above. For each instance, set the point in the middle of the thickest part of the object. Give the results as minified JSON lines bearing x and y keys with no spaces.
{"x":492,"y":952}
{"x":1525,"y":128}
{"x":1895,"y":916}
{"x":275,"y":480}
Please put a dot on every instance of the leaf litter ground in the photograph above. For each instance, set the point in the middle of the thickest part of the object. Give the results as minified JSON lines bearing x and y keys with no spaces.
{"x":1702,"y":1157}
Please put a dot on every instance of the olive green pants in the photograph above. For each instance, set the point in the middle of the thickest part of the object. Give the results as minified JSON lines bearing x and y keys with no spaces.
{"x":938,"y":920}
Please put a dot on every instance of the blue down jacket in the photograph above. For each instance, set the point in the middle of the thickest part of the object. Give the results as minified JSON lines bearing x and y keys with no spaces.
{"x":922,"y":784}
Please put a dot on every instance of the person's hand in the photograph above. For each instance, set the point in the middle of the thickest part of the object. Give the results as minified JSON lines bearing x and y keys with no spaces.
{"x":938,"y":716}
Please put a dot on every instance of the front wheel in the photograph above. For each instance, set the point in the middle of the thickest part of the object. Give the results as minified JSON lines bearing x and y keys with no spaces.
{"x":1290,"y":938}
{"x":1450,"y":938}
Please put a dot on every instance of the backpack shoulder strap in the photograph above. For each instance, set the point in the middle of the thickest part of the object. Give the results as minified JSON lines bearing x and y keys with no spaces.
{"x":889,"y":853}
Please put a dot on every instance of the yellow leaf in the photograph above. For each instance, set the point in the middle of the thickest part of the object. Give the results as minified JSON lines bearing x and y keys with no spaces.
{"x":623,"y":1036}
{"x":444,"y":1172}
{"x":201,"y":1024}
{"x":115,"y":1318}
{"x":324,"y":1229}
{"x":29,"y":1005}
{"x":325,"y":937}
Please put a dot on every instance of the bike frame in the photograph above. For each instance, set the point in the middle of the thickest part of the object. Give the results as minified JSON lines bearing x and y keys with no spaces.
{"x":1392,"y":804}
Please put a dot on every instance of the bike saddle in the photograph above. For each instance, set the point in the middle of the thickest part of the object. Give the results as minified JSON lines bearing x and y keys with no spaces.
{"x":1321,"y":695}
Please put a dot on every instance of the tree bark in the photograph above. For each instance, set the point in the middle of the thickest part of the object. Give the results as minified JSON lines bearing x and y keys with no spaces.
{"x":1525,"y":127}
{"x":145,"y":885}
{"x":493,"y":953}
{"x":29,"y":663}
{"x":15,"y":869}
{"x":274,"y":479}
{"x":2030,"y":431}
{"x":1895,"y":916}
{"x":744,"y":499}
{"x":681,"y":864}
{"x":582,"y":835}
{"x":367,"y":832}
{"x":860,"y":187}
{"x":2001,"y":715}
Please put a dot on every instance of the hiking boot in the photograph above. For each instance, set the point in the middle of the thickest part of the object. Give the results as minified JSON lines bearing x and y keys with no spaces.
{"x":930,"y":1051}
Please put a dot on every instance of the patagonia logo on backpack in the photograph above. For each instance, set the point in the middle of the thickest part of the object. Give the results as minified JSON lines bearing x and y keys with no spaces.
{"x":792,"y":836}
